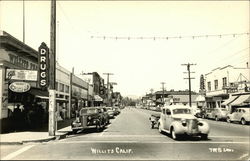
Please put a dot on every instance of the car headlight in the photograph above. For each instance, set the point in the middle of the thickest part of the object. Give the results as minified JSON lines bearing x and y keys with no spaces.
{"x":89,"y":117}
{"x":200,"y":123}
{"x":184,"y":122}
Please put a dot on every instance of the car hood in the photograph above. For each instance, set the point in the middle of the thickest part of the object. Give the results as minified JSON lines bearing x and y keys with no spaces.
{"x":184,"y":116}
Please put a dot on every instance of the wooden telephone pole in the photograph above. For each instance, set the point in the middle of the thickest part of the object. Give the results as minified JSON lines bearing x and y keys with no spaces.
{"x":109,"y":103}
{"x":163,"y":93}
{"x":52,"y":71}
{"x":189,"y":82}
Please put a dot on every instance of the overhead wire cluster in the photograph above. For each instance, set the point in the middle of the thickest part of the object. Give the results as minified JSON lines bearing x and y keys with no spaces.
{"x":164,"y":37}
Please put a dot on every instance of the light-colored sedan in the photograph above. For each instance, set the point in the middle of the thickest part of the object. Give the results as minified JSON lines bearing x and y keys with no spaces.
{"x":178,"y":120}
{"x":241,"y":115}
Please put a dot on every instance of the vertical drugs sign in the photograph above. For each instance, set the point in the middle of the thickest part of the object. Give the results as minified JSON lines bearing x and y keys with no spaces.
{"x":43,"y":63}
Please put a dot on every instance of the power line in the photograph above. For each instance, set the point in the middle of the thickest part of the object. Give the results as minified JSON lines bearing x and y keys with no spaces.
{"x":164,"y":37}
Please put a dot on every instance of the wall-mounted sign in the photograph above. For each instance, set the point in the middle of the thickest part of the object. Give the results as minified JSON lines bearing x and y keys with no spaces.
{"x":19,"y":87}
{"x":43,"y":66}
{"x":15,"y":74}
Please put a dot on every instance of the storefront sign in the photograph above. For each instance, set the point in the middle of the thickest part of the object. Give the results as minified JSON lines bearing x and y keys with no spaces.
{"x":43,"y":62}
{"x":15,"y":74}
{"x":19,"y":87}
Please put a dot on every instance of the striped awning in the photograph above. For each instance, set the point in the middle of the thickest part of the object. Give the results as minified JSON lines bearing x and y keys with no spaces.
{"x":241,"y":100}
{"x":230,"y":100}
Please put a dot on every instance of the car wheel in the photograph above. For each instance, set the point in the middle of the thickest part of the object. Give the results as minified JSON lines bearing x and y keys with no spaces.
{"x":204,"y":136}
{"x":243,"y":121}
{"x":203,"y":116}
{"x":228,"y":120}
{"x":216,"y":118}
{"x":152,"y":125}
{"x":173,"y":134}
{"x":74,"y":131}
{"x":98,"y":126}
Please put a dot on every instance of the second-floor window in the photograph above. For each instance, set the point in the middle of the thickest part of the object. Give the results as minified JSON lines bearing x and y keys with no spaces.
{"x":224,"y":82}
{"x":215,"y":84}
{"x":61,"y":87}
{"x":209,"y":86}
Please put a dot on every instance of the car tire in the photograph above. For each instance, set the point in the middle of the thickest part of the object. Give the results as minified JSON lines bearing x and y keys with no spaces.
{"x":74,"y":131}
{"x":173,"y":134}
{"x":204,"y":136}
{"x":152,"y":125}
{"x":216,"y":118}
{"x":228,"y":120}
{"x":243,"y":121}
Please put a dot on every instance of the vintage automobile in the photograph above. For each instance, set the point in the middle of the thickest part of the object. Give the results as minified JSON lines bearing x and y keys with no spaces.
{"x":91,"y":117}
{"x":117,"y":111}
{"x":111,"y":112}
{"x":218,"y":114}
{"x":105,"y":114}
{"x":241,"y":115}
{"x":178,"y":120}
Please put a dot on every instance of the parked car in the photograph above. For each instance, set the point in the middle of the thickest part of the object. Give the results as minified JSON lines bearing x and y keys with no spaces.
{"x":105,"y":115}
{"x":117,"y":111}
{"x":91,"y":117}
{"x":241,"y":115}
{"x":178,"y":120}
{"x":218,"y":114}
{"x":111,"y":112}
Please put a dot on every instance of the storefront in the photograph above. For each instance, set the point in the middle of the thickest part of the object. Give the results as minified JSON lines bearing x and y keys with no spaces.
{"x":18,"y":82}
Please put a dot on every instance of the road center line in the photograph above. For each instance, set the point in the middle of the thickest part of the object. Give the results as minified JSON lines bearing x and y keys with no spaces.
{"x":18,"y":152}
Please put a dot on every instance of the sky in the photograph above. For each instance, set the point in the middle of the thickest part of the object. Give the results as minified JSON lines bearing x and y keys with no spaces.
{"x":137,"y":65}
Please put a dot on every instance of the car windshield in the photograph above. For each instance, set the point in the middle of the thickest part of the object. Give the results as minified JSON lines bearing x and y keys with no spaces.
{"x":223,"y":109}
{"x":181,"y":111}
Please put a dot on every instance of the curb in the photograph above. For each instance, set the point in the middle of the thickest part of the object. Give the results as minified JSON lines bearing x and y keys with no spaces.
{"x":28,"y":141}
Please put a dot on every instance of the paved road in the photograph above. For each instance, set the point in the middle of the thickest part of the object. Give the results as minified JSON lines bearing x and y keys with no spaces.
{"x":130,"y":137}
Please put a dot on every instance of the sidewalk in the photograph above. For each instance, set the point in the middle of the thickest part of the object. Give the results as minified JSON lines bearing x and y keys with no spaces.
{"x":41,"y":135}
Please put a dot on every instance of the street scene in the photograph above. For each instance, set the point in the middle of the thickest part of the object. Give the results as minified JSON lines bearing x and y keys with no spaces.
{"x":125,"y":80}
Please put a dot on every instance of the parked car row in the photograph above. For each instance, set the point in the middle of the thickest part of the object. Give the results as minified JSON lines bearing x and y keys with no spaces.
{"x":94,"y":117}
{"x":240,"y":115}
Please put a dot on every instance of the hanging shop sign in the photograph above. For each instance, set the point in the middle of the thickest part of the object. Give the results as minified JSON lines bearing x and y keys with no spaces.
{"x":19,"y":87}
{"x":43,"y":66}
{"x":15,"y":74}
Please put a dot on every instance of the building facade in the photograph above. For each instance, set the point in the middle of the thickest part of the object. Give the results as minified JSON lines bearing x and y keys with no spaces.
{"x":222,"y":82}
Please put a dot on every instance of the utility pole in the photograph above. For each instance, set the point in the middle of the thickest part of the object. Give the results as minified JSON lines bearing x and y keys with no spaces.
{"x":189,"y":82}
{"x":52,"y":71}
{"x":108,"y":86}
{"x":23,"y":22}
{"x":163,"y":92}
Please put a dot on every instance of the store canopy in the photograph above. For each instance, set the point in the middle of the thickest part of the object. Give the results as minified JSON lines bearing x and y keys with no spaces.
{"x":98,"y":98}
{"x":230,"y":100}
{"x":241,"y":100}
{"x":38,"y":92}
{"x":200,"y":99}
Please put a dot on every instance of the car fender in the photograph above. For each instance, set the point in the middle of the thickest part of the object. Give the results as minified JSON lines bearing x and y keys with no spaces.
{"x":204,"y":128}
{"x":179,"y":129}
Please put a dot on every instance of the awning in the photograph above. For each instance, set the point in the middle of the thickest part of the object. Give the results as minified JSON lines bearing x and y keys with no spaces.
{"x":98,"y":98}
{"x":241,"y":100}
{"x":38,"y":92}
{"x":230,"y":100}
{"x":200,"y":99}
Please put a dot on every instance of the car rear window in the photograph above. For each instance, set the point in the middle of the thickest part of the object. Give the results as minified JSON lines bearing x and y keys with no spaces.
{"x":91,"y":111}
{"x":181,"y":111}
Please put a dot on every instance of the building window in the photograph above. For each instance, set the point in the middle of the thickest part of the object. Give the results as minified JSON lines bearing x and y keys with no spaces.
{"x":66,"y":89}
{"x":209,"y":86}
{"x":56,"y":86}
{"x":224,"y":82}
{"x":215,"y":84}
{"x":61,"y":87}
